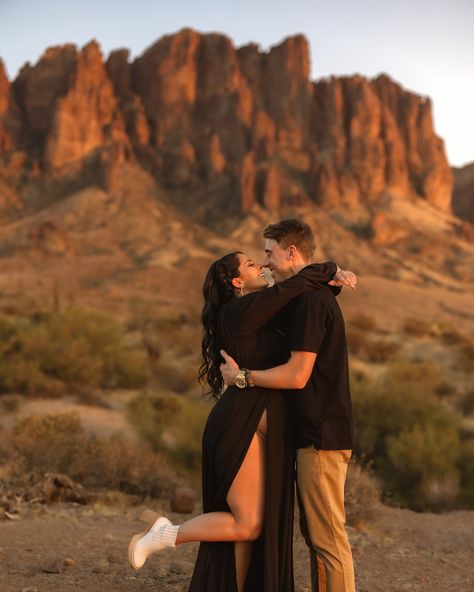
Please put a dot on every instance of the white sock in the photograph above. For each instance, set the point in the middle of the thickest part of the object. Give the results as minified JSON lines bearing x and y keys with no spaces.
{"x":166,"y":535}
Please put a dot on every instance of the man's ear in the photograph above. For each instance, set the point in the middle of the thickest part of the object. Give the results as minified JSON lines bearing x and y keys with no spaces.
{"x":291,"y":252}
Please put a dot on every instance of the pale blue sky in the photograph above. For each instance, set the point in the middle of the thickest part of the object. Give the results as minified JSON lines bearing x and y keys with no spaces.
{"x":426,"y":45}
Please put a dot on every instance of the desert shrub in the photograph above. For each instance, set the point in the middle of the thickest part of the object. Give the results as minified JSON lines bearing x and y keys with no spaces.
{"x":411,"y":438}
{"x":364,"y":322}
{"x":70,"y":350}
{"x":50,"y":443}
{"x":422,"y":377}
{"x":445,"y":389}
{"x":381,"y":350}
{"x":188,"y":430}
{"x":178,"y":378}
{"x":57,"y":443}
{"x":362,"y":495}
{"x":10,"y":403}
{"x":171,"y":424}
{"x":425,"y":458}
{"x":466,"y":403}
{"x":447,"y":332}
{"x":416,"y":327}
{"x":179,"y":334}
{"x":466,"y":356}
{"x":26,"y":376}
{"x":356,"y":339}
{"x":466,"y":468}
{"x":129,"y":468}
{"x":152,"y":413}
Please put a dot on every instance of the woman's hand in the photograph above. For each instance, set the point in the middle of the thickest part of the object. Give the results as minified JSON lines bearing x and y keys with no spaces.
{"x":228,"y":370}
{"x":344,"y":278}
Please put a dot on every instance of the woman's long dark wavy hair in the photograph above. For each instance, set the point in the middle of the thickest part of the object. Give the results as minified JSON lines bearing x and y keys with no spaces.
{"x":217,"y":291}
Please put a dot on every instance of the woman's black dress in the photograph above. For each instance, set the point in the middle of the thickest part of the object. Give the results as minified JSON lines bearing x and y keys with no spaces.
{"x":245,"y":333}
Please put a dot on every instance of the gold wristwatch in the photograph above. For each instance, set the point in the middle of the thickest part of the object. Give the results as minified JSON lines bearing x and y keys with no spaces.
{"x":240,"y":380}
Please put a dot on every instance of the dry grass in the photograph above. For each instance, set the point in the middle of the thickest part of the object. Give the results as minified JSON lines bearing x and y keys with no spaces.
{"x":362,"y":495}
{"x":380,"y":350}
{"x":416,"y":327}
{"x":357,"y":340}
{"x":466,"y":403}
{"x":57,"y":443}
{"x":10,"y":403}
{"x":364,"y":322}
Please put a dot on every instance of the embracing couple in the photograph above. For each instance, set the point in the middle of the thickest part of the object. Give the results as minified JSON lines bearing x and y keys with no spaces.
{"x":282,"y":352}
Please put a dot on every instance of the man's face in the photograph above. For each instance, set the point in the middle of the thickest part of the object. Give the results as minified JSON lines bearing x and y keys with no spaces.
{"x":277,"y":260}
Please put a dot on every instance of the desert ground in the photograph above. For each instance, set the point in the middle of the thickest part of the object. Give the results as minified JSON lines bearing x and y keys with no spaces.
{"x":85,"y":548}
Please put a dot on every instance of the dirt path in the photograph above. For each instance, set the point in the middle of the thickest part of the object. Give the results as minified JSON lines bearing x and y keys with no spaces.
{"x":400,"y":551}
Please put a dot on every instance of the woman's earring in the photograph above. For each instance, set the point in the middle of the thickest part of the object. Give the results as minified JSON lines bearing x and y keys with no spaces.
{"x":242,"y":290}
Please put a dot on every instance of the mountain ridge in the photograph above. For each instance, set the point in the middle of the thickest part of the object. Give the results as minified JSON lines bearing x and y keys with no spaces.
{"x":106,"y":165}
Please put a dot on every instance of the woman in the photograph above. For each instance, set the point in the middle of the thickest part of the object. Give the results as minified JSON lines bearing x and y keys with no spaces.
{"x":246,"y":530}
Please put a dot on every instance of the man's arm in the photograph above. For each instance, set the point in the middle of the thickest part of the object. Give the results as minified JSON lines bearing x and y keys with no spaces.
{"x":247,"y":314}
{"x":292,"y":375}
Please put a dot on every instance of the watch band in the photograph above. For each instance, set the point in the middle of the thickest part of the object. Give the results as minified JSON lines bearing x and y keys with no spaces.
{"x":248,"y":377}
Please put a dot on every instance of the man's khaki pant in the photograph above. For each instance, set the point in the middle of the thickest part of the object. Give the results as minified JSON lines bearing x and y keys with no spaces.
{"x":321,"y":475}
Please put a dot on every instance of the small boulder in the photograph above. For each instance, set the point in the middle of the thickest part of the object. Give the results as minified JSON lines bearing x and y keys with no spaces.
{"x":69,"y":562}
{"x":101,"y":569}
{"x":56,"y":487}
{"x":53,"y":566}
{"x":183,"y":500}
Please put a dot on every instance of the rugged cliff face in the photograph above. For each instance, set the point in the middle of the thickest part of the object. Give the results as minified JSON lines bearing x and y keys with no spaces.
{"x":463,"y":196}
{"x":202,"y":116}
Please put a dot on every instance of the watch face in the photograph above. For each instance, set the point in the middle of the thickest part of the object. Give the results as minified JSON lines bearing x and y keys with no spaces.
{"x":240,"y":382}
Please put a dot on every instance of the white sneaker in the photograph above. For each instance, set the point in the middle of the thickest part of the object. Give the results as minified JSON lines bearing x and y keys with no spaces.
{"x":148,"y":542}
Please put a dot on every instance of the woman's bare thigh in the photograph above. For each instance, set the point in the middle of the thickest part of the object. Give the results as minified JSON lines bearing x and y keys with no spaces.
{"x":246,"y":496}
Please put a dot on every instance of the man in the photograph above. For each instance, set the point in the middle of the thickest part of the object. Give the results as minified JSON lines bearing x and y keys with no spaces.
{"x":322,"y":403}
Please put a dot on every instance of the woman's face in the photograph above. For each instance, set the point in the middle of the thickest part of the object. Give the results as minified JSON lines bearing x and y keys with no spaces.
{"x":251,"y":276}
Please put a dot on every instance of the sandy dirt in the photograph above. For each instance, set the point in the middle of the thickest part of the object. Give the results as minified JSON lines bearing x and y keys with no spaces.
{"x":400,"y":551}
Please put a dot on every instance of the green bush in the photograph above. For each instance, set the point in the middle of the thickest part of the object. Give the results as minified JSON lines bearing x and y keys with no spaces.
{"x":425,"y":460}
{"x":69,"y":350}
{"x":172,"y":424}
{"x":188,"y":431}
{"x":411,"y":438}
{"x":151,"y":414}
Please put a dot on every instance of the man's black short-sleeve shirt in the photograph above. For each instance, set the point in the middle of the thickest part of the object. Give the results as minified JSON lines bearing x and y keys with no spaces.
{"x":323,"y":407}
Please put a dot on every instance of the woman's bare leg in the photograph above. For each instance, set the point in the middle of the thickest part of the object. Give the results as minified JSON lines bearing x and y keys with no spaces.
{"x":253,"y":475}
{"x":246,"y":500}
{"x":244,"y":520}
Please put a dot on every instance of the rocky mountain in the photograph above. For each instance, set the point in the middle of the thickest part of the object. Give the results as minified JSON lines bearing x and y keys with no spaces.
{"x":203,"y":115}
{"x":107,"y":162}
{"x":463,"y":194}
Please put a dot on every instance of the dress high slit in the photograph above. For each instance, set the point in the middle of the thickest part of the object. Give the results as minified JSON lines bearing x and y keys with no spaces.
{"x":246,"y":333}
